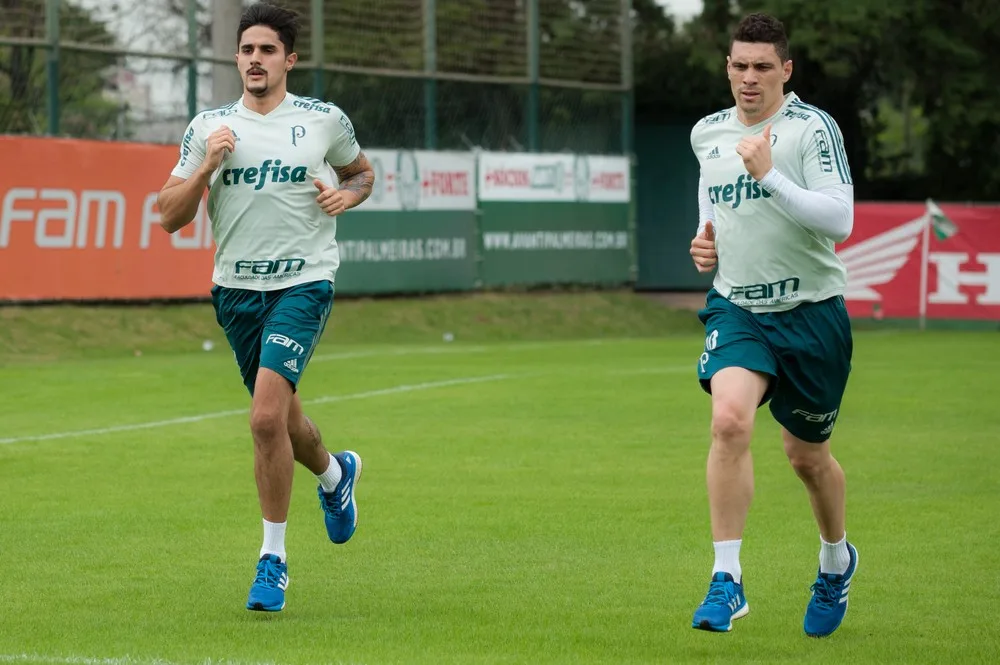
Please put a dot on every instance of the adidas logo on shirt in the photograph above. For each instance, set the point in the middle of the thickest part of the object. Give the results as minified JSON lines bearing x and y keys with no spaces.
{"x":714,"y":154}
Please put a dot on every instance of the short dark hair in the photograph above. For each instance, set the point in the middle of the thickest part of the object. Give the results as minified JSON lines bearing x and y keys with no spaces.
{"x":283,"y":21}
{"x":762,"y":29}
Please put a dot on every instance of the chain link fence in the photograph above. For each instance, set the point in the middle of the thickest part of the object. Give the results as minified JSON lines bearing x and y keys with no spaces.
{"x":531,"y":75}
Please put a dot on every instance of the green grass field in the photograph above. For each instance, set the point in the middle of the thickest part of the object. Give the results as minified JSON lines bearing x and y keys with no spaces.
{"x":533,"y":493}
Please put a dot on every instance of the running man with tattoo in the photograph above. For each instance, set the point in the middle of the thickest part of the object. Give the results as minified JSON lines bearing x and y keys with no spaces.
{"x":268,"y":161}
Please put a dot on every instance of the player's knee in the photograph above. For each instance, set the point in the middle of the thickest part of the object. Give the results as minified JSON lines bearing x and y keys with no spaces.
{"x":267,"y":423}
{"x":732,"y":425}
{"x":808,"y":461}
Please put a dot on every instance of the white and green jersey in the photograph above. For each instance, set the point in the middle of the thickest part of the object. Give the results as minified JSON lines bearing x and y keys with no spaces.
{"x":269,"y":231}
{"x":767,"y":260}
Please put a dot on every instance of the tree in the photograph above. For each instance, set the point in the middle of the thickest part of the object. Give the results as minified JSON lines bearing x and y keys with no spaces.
{"x":84,"y":110}
{"x":680,"y":71}
{"x":475,"y":38}
{"x":910,"y":82}
{"x":957,"y":86}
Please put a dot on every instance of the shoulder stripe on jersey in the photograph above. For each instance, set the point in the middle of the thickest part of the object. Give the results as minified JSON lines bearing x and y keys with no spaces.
{"x":219,"y":108}
{"x":839,"y":152}
{"x":316,"y":101}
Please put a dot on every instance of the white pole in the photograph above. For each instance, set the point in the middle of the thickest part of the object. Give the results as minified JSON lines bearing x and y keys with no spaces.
{"x":924,"y":260}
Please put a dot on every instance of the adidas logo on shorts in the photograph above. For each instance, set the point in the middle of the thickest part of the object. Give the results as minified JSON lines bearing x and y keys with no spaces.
{"x":293,"y":365}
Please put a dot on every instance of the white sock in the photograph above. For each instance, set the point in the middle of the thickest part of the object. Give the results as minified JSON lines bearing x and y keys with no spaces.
{"x":329,"y":478}
{"x":274,"y":539}
{"x":834,"y":557}
{"x":727,"y":558}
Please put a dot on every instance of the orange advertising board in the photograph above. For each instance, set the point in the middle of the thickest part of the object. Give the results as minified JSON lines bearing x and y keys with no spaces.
{"x":79,"y":221}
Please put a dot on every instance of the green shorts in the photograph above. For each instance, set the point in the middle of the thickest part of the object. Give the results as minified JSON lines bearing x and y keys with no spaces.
{"x":278,"y":330}
{"x":806,"y":351}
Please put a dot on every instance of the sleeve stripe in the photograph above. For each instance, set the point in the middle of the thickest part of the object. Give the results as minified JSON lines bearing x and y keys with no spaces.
{"x":839,"y":153}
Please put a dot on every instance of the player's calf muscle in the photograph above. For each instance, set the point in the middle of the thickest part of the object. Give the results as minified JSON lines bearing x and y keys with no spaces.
{"x":307,"y":444}
{"x":304,"y":433}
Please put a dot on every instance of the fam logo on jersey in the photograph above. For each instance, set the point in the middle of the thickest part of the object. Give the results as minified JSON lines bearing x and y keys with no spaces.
{"x":268,"y":269}
{"x":745,"y":189}
{"x":348,"y":127}
{"x":270,"y":171}
{"x":770,"y":293}
{"x":822,"y":142}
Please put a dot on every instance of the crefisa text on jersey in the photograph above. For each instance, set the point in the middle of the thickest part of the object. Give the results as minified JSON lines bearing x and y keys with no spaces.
{"x":312,"y":106}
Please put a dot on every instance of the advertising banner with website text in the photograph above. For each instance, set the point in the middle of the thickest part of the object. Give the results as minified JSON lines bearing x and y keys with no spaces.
{"x":79,"y":221}
{"x":554,"y":219}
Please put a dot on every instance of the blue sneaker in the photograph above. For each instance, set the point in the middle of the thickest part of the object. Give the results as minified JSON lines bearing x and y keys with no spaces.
{"x":267,"y":594}
{"x":828,"y":604}
{"x":339,"y":505}
{"x":725,"y":601}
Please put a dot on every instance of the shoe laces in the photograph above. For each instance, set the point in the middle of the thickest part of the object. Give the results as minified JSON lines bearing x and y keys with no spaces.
{"x":331,"y":503}
{"x":718,"y":593}
{"x":268,"y":574}
{"x":826,"y":591}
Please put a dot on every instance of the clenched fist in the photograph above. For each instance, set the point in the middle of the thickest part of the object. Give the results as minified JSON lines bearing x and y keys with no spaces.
{"x":330,"y":200}
{"x":218,"y":143}
{"x":703,"y":249}
{"x":756,"y":154}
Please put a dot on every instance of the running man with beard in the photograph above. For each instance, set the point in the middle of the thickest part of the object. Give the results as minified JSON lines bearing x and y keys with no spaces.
{"x":268,"y":161}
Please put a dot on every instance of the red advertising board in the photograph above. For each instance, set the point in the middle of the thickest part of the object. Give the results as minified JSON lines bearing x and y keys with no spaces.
{"x":79,"y":220}
{"x":885,"y":256}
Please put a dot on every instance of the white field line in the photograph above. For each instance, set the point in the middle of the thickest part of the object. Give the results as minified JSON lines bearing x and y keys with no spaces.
{"x":327,"y":399}
{"x":406,"y":388}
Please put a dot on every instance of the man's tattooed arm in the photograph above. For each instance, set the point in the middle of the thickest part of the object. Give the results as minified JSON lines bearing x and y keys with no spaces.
{"x":356,"y":180}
